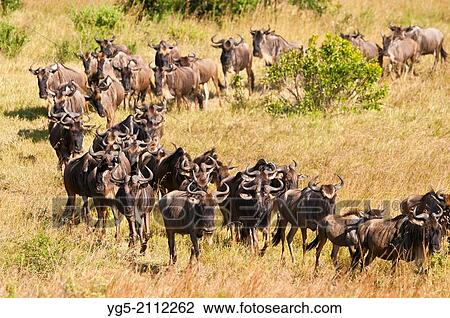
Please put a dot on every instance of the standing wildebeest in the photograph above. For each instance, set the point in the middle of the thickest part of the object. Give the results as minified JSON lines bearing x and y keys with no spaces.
{"x":109,"y":48}
{"x":406,"y":237}
{"x":430,"y":40}
{"x":50,"y":77}
{"x":304,"y":209}
{"x":106,"y":98}
{"x":178,"y":82}
{"x":341,"y":231}
{"x":236,"y":56}
{"x":165,"y":53}
{"x":189,"y":212}
{"x":371,"y":51}
{"x":269,"y":46}
{"x":135,"y":198}
{"x":403,"y":53}
{"x":136,"y":80}
{"x":207,"y":70}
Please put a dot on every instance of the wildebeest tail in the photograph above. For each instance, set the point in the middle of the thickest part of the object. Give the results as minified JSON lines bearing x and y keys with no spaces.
{"x":313,"y":244}
{"x":276,"y":239}
{"x":221,"y":86}
{"x":444,"y":54}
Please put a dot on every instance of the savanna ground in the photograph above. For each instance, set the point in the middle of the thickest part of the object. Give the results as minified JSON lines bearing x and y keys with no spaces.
{"x":382,"y":155}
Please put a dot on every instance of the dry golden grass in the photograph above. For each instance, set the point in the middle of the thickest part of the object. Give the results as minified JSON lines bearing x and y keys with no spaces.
{"x":382,"y":155}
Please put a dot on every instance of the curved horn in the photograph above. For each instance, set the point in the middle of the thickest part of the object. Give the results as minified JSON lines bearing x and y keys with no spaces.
{"x":240,"y":41}
{"x":312,"y":184}
{"x":275,"y":189}
{"x":218,"y":193}
{"x":95,"y":154}
{"x":201,"y":192}
{"x":31,"y":69}
{"x":438,"y":215}
{"x":185,"y":165}
{"x":248,"y":188}
{"x":216,"y":42}
{"x":341,"y":183}
{"x":249,"y":171}
{"x":141,"y":177}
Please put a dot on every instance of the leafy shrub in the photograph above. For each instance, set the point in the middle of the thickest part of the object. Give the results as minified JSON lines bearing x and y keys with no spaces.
{"x":240,"y":100}
{"x":10,"y":5}
{"x":12,"y":39}
{"x":199,"y":8}
{"x":332,"y":75}
{"x":64,"y":51}
{"x":90,"y":21}
{"x":317,"y":6}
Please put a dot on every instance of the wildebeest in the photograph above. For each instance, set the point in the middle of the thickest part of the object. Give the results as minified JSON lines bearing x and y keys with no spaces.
{"x":207,"y":70}
{"x":165,"y":53}
{"x":109,"y":48}
{"x":403,"y":53}
{"x":341,"y":231}
{"x":136,"y":79}
{"x":304,"y":209}
{"x":189,"y":212}
{"x":173,"y":170}
{"x":178,"y":82}
{"x":269,"y":46}
{"x":235,"y":56}
{"x":430,"y":40}
{"x":406,"y":237}
{"x":371,"y":51}
{"x":135,"y":200}
{"x":50,"y":77}
{"x":106,"y":98}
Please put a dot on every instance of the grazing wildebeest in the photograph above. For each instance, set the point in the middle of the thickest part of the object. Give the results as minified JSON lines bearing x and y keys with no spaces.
{"x":207,"y":70}
{"x":136,"y":79}
{"x":269,"y":46}
{"x":406,"y":237}
{"x":173,"y":170}
{"x":236,"y":56}
{"x":135,"y":199}
{"x":50,"y":77}
{"x":109,"y":48}
{"x":165,"y":53}
{"x":341,"y":231}
{"x":189,"y":212}
{"x":178,"y":82}
{"x":403,"y":53}
{"x":430,"y":40}
{"x":304,"y":209}
{"x":106,"y":98}
{"x":370,"y":50}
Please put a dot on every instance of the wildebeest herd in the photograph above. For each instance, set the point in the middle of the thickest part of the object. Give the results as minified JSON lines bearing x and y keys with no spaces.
{"x":128,"y":171}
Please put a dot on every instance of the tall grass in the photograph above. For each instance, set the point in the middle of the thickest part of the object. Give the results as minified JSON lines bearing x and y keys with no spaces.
{"x":382,"y":155}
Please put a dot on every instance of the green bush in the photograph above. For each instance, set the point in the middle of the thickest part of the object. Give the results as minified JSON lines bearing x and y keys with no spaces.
{"x":240,"y":101}
{"x":64,"y":50}
{"x":10,"y":5}
{"x":90,"y":21}
{"x":12,"y":39}
{"x":317,"y":6}
{"x":199,"y":8}
{"x":332,"y":75}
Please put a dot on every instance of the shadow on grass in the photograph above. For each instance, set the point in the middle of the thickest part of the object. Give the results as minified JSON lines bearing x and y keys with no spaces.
{"x":38,"y":134}
{"x":28,"y":113}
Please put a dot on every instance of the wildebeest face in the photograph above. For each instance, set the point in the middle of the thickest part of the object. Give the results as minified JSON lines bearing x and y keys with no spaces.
{"x":77,"y":136}
{"x":162,"y":88}
{"x":94,"y":96}
{"x":43,"y":75}
{"x":106,"y":46}
{"x":63,"y":92}
{"x":387,"y":40}
{"x":258,"y":38}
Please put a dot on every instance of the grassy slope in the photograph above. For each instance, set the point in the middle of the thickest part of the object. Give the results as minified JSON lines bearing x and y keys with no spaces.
{"x":382,"y":155}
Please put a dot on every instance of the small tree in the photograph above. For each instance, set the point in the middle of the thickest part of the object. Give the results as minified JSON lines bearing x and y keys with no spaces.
{"x":334,"y":74}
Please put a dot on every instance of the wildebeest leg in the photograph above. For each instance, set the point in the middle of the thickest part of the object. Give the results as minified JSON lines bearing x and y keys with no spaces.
{"x":251,"y":79}
{"x":146,"y":232}
{"x":265,"y":232}
{"x":69,"y":209}
{"x":132,"y":226}
{"x":206,"y":91}
{"x":322,"y":241}
{"x":172,"y":248}
{"x":369,"y":259}
{"x":304,"y":238}
{"x":406,"y":70}
{"x":224,"y":80}
{"x":86,"y":216}
{"x":290,"y":238}
{"x":216,"y":85}
{"x":194,"y":249}
{"x":334,"y":255}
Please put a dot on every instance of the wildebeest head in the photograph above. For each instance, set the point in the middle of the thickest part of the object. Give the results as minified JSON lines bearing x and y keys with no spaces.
{"x":227,"y":46}
{"x":161,"y":86}
{"x":164,"y":51}
{"x":397,"y":31}
{"x":94,"y":95}
{"x":259,"y":37}
{"x":205,"y":203}
{"x":290,"y":176}
{"x":327,"y":190}
{"x":429,"y":224}
{"x":387,"y":41}
{"x":106,"y":45}
{"x":43,"y":74}
{"x":62,"y":93}
{"x":186,"y":61}
{"x":131,"y":184}
{"x":151,"y":117}
{"x":73,"y":124}
{"x":127,"y":74}
{"x":87,"y":60}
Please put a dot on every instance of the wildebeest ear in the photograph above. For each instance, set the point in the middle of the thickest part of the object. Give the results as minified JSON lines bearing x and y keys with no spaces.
{"x":193,"y":200}
{"x":87,"y":97}
{"x":53,"y":68}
